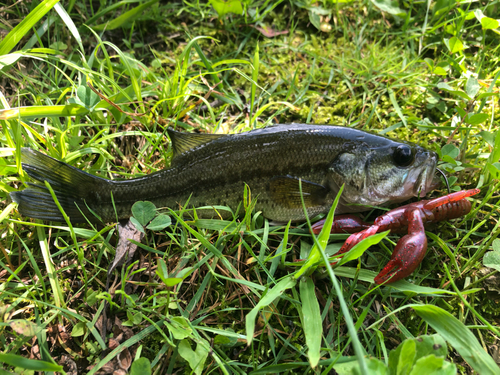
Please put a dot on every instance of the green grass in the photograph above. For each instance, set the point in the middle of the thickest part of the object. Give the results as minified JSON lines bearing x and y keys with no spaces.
{"x":201,"y":288}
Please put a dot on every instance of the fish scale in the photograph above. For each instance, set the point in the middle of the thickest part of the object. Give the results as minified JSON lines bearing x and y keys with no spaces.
{"x":206,"y":170}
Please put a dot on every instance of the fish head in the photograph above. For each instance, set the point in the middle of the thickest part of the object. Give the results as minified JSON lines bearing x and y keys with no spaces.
{"x":401,"y":172}
{"x":392,"y":172}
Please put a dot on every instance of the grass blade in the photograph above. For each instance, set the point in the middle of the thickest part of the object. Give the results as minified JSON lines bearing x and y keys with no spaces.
{"x":362,"y":246}
{"x":28,"y":364}
{"x":397,"y":108}
{"x":255,"y":77}
{"x":69,"y":24}
{"x":206,"y":62}
{"x":318,"y":251}
{"x":16,"y":34}
{"x":458,"y":336}
{"x":125,"y":18}
{"x":43,"y":111}
{"x":39,"y":32}
{"x":51,"y":271}
{"x":113,"y":6}
{"x":494,"y":157}
{"x":311,"y":320}
{"x":267,"y":299}
{"x":323,"y":237}
{"x":402,"y":285}
{"x":127,"y":344}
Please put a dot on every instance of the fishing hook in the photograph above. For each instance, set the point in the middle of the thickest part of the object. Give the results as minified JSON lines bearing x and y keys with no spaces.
{"x":445,"y":179}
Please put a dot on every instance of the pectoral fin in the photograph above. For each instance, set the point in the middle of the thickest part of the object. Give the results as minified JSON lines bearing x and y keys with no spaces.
{"x":285,"y":190}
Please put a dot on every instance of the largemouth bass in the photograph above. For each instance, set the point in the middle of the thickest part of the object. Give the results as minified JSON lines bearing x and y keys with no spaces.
{"x":211,"y":170}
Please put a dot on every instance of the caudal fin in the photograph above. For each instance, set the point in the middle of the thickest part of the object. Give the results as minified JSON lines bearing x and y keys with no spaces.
{"x":74,"y":189}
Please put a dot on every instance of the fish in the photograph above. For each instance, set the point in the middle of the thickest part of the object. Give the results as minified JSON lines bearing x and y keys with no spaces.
{"x":278,"y":163}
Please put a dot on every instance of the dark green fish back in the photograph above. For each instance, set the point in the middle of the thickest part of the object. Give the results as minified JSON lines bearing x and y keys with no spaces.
{"x":207,"y":171}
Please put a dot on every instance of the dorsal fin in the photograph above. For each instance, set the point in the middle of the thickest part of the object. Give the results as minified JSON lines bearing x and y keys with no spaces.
{"x":182,"y":142}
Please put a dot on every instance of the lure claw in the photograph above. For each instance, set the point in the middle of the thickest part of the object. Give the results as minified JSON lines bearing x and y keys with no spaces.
{"x":411,"y":248}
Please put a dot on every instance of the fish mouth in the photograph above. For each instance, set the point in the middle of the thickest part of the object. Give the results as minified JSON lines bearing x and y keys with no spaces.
{"x":427,"y":180}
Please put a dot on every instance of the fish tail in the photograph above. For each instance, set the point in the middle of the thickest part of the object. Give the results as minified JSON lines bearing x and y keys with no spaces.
{"x":73,"y":188}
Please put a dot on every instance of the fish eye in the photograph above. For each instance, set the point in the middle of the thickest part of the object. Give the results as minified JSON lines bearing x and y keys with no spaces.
{"x":403,"y":156}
